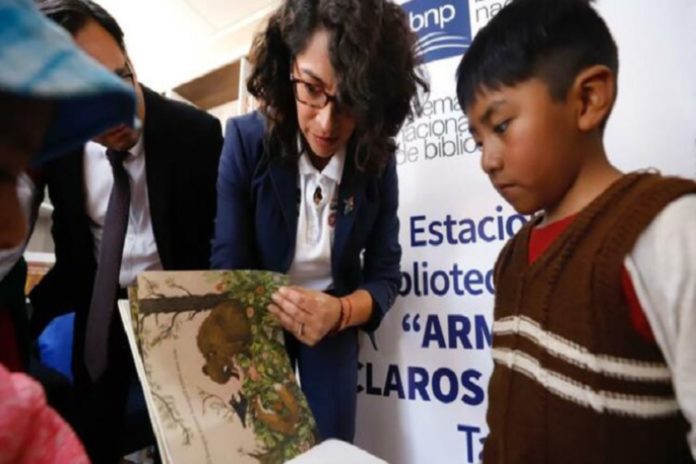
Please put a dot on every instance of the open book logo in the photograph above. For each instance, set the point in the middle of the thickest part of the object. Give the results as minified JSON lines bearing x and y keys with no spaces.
{"x":443,"y":27}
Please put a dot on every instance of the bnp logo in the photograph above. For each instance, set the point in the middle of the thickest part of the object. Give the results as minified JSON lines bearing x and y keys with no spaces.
{"x":443,"y":27}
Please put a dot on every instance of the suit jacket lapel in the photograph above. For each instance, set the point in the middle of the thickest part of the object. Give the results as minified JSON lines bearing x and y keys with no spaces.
{"x":351,"y":194}
{"x":158,"y":173}
{"x":284,"y":178}
{"x":71,"y":172}
{"x":74,"y":169}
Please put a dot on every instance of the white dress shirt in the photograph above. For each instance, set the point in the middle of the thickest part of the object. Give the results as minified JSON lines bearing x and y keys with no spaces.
{"x":662,"y":266}
{"x":311,"y":266}
{"x":139,"y":248}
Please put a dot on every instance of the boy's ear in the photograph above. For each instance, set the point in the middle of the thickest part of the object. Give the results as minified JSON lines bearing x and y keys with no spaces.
{"x":594,"y":92}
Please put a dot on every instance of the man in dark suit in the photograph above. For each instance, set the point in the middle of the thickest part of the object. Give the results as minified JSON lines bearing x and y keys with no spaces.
{"x":132,"y":200}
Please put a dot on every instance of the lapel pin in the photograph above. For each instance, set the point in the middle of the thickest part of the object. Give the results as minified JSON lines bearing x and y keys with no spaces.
{"x":348,"y":205}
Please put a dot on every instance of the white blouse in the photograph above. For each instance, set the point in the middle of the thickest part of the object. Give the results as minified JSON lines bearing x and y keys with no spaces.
{"x":311,"y":265}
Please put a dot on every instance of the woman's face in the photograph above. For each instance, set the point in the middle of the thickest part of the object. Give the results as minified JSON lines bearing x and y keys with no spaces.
{"x":325,"y":129}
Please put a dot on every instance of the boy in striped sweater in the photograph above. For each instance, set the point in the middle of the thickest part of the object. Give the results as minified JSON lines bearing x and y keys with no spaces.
{"x":595,"y":306}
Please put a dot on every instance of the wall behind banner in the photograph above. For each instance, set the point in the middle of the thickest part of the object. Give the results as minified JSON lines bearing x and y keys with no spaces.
{"x":422,"y":395}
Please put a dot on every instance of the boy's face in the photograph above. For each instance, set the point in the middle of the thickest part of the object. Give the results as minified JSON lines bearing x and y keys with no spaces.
{"x":527,"y":142}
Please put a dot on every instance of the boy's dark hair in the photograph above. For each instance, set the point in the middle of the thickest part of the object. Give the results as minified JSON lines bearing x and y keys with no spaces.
{"x":373,"y":53}
{"x":73,"y":15}
{"x":549,"y":39}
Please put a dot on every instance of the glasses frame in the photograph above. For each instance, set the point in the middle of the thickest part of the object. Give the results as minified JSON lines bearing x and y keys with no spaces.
{"x":340,"y":108}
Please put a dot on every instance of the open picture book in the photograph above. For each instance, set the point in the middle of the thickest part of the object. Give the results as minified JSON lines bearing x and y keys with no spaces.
{"x":217,"y":381}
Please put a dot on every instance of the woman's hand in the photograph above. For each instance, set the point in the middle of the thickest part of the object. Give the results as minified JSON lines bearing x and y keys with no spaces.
{"x":308,"y":314}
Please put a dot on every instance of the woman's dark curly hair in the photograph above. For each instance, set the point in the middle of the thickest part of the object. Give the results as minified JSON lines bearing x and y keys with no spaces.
{"x":372,"y":50}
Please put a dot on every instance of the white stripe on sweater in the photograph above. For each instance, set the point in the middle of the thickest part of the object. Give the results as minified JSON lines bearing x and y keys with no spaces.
{"x":583,"y":395}
{"x":578,"y":355}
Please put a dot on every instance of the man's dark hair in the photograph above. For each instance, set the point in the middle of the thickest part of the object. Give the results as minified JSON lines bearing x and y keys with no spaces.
{"x":73,"y":15}
{"x":548,"y":39}
{"x":373,"y":52}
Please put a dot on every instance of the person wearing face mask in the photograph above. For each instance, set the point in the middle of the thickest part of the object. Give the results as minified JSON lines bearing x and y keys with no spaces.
{"x":308,"y":185}
{"x":52,"y":99}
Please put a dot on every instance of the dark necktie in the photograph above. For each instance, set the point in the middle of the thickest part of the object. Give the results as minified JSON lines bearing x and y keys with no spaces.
{"x":106,"y":283}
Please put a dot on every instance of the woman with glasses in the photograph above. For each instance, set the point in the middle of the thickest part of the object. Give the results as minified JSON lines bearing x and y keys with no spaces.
{"x":308,"y":185}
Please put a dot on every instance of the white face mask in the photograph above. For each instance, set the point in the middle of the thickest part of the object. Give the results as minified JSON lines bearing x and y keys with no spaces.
{"x":25,"y":193}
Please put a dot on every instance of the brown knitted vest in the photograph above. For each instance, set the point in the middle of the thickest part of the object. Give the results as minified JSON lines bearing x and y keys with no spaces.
{"x":573,"y":382}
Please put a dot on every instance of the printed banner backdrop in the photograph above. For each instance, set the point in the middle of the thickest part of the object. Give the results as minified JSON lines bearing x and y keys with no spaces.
{"x":422,"y":394}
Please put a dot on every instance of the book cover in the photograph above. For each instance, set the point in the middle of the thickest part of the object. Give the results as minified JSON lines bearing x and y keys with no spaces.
{"x":213,"y":366}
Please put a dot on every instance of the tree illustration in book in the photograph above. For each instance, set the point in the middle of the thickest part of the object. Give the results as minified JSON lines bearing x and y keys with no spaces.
{"x":214,"y":370}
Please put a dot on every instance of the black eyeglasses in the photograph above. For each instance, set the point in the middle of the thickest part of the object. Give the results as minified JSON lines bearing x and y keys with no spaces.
{"x":313,"y":95}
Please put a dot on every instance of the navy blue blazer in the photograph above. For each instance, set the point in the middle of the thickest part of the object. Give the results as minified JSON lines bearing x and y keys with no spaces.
{"x":256,"y":227}
{"x":256,"y":223}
